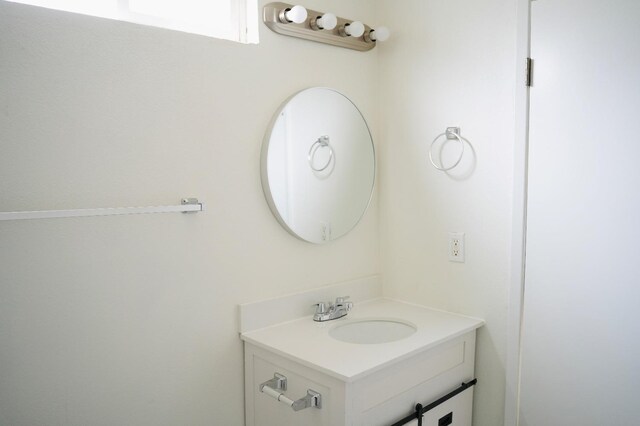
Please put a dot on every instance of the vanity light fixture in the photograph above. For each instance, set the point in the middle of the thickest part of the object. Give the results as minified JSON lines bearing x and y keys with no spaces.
{"x":322,"y":27}
{"x":296,"y":14}
{"x":352,"y":29}
{"x":328,"y":21}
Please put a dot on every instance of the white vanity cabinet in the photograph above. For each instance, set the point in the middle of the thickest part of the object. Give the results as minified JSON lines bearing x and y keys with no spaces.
{"x":362,"y":384}
{"x":378,"y":399}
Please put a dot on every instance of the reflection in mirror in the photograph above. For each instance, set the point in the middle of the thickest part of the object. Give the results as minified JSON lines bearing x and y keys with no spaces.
{"x":318,"y":165}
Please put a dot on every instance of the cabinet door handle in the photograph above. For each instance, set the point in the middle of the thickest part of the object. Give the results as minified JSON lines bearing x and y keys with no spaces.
{"x":275,"y":388}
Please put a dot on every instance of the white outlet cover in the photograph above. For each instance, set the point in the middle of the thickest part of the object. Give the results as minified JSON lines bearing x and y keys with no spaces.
{"x":456,"y":247}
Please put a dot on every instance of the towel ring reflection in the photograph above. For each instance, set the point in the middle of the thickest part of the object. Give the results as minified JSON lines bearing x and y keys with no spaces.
{"x":450,"y":133}
{"x":322,"y":142}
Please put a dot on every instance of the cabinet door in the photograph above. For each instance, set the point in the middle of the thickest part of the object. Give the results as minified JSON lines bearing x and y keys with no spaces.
{"x":390,"y":394}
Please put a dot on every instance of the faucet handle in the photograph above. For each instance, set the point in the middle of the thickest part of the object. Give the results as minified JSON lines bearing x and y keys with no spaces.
{"x":340,"y":300}
{"x":321,"y":307}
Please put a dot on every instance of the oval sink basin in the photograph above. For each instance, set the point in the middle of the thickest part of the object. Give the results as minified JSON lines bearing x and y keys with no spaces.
{"x":368,"y":331}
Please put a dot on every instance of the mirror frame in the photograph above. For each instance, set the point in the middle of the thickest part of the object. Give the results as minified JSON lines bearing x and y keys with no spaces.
{"x":264,"y":175}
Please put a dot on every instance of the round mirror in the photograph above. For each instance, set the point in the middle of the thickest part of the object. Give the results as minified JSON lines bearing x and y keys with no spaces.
{"x":318,"y":165}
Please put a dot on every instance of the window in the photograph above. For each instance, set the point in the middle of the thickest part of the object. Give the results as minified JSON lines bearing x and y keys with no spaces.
{"x":228,"y":19}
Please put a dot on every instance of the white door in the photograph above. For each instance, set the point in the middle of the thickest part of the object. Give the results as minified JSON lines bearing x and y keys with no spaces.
{"x":581,"y":329}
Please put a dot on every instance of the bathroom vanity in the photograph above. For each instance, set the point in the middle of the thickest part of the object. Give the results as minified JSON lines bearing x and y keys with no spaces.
{"x":369,"y":368}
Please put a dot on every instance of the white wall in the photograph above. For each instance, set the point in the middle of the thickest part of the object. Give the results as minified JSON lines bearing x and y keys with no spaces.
{"x":119,"y":320}
{"x":450,"y":63}
{"x":132,"y":320}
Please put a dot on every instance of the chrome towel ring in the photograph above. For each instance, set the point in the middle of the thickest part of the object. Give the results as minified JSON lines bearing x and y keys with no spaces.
{"x":450,"y":133}
{"x":322,"y":142}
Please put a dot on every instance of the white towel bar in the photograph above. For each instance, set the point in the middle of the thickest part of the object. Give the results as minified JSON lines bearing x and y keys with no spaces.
{"x":189,"y":205}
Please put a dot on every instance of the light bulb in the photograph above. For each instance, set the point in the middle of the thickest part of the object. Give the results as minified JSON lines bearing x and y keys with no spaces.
{"x":297,"y":14}
{"x":328,"y":21}
{"x":379,"y":34}
{"x":354,"y":29}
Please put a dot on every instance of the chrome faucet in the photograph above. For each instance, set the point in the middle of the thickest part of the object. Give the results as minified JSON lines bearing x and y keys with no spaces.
{"x":330,"y":311}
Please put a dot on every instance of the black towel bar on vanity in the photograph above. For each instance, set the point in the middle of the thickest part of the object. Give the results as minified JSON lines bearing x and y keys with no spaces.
{"x":421,"y":410}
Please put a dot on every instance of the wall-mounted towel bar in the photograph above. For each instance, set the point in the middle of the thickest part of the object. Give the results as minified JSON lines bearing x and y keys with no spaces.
{"x":188,"y":205}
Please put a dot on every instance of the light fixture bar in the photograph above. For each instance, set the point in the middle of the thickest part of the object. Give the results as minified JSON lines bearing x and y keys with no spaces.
{"x":308,"y":30}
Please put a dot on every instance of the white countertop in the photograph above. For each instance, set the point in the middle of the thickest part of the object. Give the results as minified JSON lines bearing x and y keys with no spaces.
{"x":308,"y":342}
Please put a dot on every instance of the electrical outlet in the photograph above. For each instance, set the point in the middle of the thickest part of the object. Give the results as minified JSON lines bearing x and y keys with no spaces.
{"x":456,"y":246}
